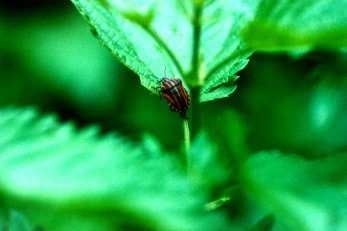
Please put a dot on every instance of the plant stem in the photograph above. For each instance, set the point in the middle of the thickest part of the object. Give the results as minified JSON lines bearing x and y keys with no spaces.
{"x":195,"y":111}
{"x":193,"y":81}
{"x":194,"y":74}
{"x":196,"y":42}
{"x":186,"y":140}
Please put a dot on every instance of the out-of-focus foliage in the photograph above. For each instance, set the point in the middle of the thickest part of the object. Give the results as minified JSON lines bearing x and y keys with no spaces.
{"x":284,"y":25}
{"x":295,"y":105}
{"x":81,"y":173}
{"x":206,"y":168}
{"x":58,"y":177}
{"x":64,"y":57}
{"x":306,"y":195}
{"x":13,"y":220}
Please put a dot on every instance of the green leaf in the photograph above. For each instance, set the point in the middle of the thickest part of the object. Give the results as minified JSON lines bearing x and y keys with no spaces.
{"x":106,"y":180}
{"x":264,"y":224}
{"x":13,"y":221}
{"x":193,"y":40}
{"x":220,"y":92}
{"x":147,"y":37}
{"x":205,"y":166}
{"x":217,"y":203}
{"x":215,"y":87}
{"x":223,"y":76}
{"x":222,"y":50}
{"x":283,"y":25}
{"x":303,"y":195}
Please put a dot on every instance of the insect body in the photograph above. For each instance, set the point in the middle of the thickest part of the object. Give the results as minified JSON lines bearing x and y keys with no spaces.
{"x":175,"y":94}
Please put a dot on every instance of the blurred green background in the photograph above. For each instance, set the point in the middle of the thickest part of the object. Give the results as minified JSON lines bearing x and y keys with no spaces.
{"x":49,"y":58}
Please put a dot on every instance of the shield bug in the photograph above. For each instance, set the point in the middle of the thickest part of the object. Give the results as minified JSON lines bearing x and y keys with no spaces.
{"x":176,"y":95}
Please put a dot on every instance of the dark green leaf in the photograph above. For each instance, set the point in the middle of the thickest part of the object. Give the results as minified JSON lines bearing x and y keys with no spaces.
{"x":264,"y":224}
{"x":303,"y":195}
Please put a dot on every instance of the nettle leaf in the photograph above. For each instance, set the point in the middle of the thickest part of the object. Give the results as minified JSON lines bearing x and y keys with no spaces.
{"x":149,"y":37}
{"x":222,"y":51}
{"x":220,"y":92}
{"x":283,"y":25}
{"x":197,"y":41}
{"x":304,"y":195}
{"x":215,"y":87}
{"x":107,"y":180}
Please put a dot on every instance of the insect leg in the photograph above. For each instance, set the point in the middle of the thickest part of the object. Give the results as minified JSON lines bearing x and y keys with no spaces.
{"x":183,"y":115}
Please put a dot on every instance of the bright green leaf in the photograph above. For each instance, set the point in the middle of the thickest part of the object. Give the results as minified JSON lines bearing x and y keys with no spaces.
{"x":148,"y":37}
{"x":220,"y":92}
{"x":82,"y":175}
{"x":222,"y":50}
{"x":283,"y":25}
{"x":193,"y":40}
{"x":217,"y":203}
{"x":223,"y":76}
{"x":205,"y":166}
{"x":303,"y":195}
{"x":215,"y":87}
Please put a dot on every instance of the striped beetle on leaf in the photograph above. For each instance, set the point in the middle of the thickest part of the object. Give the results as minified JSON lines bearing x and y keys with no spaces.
{"x":176,"y":95}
